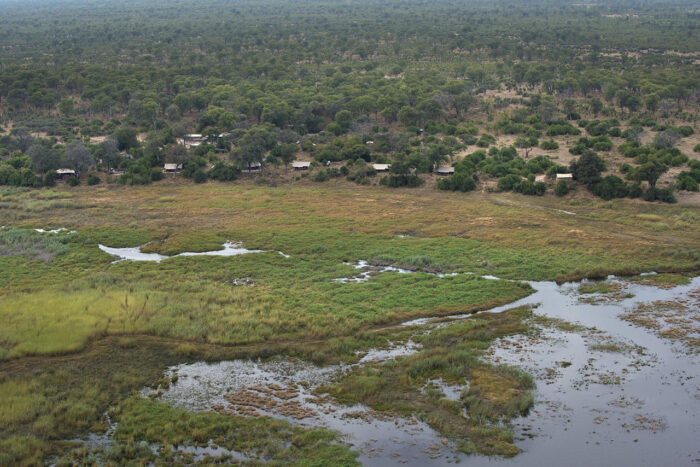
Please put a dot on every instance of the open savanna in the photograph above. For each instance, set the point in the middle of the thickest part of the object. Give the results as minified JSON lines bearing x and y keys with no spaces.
{"x":80,"y":333}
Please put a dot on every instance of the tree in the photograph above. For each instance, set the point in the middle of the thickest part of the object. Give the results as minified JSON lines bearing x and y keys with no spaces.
{"x":650,"y":171}
{"x":108,"y":152}
{"x":596,"y":105}
{"x":587,"y":168}
{"x":254,"y":144}
{"x":344,"y":119}
{"x":430,"y":109}
{"x":437,"y":154}
{"x":126,"y":138}
{"x":463,"y":102}
{"x":149,"y":111}
{"x":569,"y":107}
{"x":407,"y":116}
{"x":286,"y":153}
{"x":66,"y":106}
{"x":526,"y":144}
{"x":77,"y":157}
{"x":42,"y":158}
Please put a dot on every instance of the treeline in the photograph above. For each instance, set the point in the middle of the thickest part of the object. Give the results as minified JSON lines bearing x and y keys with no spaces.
{"x":390,"y":82}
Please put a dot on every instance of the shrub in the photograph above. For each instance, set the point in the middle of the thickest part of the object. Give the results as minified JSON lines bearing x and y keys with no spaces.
{"x":610,"y":187}
{"x":687,"y":182}
{"x":156,"y":174}
{"x":562,"y":188}
{"x":93,"y":180}
{"x":457,"y":182}
{"x":660,"y":194}
{"x":550,"y":145}
{"x":685,"y":131}
{"x":508,"y":182}
{"x":563,"y":129}
{"x":321,"y":176}
{"x":696,"y":148}
{"x":49,"y":178}
{"x":199,"y":176}
{"x":223,"y":172}
{"x":634,"y":191}
{"x":73,"y":181}
{"x":527,"y":187}
{"x":395,"y":181}
{"x":587,"y":168}
{"x":486,"y":140}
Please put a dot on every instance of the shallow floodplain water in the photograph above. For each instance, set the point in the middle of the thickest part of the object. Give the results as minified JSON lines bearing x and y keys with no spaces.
{"x":608,"y":392}
{"x":584,"y":414}
{"x":135,"y":253}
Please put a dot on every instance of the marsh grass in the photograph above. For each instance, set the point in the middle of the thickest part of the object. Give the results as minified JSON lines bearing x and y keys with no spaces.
{"x":495,"y":393}
{"x":596,"y":287}
{"x":47,"y":400}
{"x":130,"y":321}
{"x":661,"y":280}
{"x":31,"y":244}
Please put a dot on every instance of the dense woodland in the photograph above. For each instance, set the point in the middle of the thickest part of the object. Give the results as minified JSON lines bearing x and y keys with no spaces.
{"x":503,"y":91}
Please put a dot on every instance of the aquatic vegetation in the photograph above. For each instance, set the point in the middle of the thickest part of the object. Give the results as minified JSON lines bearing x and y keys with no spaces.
{"x":494,"y":393}
{"x":31,"y":244}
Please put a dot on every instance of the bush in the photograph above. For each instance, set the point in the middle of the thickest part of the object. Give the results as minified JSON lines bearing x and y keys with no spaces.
{"x":660,"y":194}
{"x":223,"y":172}
{"x":93,"y":180}
{"x":395,"y":181}
{"x":634,"y":191}
{"x":486,"y":140}
{"x":587,"y":168}
{"x":73,"y":181}
{"x":49,"y":178}
{"x":687,"y":182}
{"x":562,"y":188}
{"x":685,"y":131}
{"x":321,"y":176}
{"x":156,"y":174}
{"x":610,"y":187}
{"x":527,"y":187}
{"x":563,"y":129}
{"x":457,"y":182}
{"x":199,"y":176}
{"x":550,"y":145}
{"x":508,"y":182}
{"x":696,"y":148}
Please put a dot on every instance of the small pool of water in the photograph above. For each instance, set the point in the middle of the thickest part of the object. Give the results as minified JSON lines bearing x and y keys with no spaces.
{"x":135,"y":253}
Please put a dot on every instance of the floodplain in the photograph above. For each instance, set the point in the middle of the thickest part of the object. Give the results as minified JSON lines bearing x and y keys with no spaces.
{"x":98,"y":352}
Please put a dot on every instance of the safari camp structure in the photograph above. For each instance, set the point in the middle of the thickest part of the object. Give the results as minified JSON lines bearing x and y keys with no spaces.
{"x":192,"y":140}
{"x":172,"y":168}
{"x":445,"y":170}
{"x":65,"y":174}
{"x":301,"y":165}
